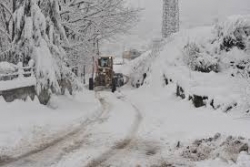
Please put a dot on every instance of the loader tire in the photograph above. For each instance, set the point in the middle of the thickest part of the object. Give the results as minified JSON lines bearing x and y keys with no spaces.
{"x":91,"y":84}
{"x":113,"y":85}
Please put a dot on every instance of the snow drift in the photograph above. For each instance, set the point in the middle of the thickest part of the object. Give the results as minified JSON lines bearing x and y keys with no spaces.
{"x":208,"y":65}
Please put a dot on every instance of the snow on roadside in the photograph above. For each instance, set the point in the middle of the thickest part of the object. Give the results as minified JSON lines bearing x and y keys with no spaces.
{"x":138,"y":69}
{"x":17,"y":83}
{"x":25,"y":126}
{"x":168,"y":120}
{"x":6,"y":67}
{"x":225,"y":90}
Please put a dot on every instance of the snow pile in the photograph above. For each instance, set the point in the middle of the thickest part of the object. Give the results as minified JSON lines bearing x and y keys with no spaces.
{"x":13,"y":76}
{"x":139,"y":69}
{"x":45,"y":68}
{"x":20,"y":82}
{"x":235,"y":32}
{"x":208,"y":62}
{"x":228,"y":148}
{"x":6,"y":67}
{"x":40,"y":37}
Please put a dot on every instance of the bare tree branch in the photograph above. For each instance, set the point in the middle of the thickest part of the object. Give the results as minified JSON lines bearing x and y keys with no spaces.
{"x":6,"y":34}
{"x":7,"y":9}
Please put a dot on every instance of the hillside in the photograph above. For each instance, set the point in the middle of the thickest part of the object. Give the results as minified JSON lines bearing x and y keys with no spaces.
{"x":209,"y":65}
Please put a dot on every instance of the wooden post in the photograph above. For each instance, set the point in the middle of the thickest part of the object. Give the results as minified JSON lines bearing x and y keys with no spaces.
{"x":20,"y":69}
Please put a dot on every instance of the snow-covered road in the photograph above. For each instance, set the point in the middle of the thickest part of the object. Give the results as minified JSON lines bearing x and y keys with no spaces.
{"x":52,"y":151}
{"x":146,"y":127}
{"x":93,"y":142}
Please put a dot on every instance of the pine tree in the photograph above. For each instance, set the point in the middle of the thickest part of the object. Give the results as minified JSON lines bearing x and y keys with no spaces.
{"x":38,"y":35}
{"x":59,"y":34}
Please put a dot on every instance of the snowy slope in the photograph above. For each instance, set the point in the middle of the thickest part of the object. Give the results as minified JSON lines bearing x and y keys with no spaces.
{"x":168,"y":120}
{"x":224,"y":89}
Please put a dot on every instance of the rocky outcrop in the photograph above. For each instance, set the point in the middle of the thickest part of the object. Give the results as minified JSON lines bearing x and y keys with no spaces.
{"x":180,"y":92}
{"x":197,"y":100}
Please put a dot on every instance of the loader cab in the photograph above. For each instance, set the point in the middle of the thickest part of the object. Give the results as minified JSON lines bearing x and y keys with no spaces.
{"x":105,"y":62}
{"x":104,"y":75}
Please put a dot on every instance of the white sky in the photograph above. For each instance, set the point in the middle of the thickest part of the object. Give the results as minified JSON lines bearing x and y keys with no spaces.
{"x":192,"y":13}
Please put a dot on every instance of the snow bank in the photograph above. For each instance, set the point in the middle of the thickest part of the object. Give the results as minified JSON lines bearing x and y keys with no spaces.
{"x":6,"y":68}
{"x":196,"y":61}
{"x":168,"y":120}
{"x":139,"y":69}
{"x":17,"y":83}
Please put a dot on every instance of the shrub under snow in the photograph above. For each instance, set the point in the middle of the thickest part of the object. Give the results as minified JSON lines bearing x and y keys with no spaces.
{"x":235,"y":32}
{"x":196,"y":61}
{"x":39,"y":36}
{"x":227,"y":47}
{"x":6,"y":67}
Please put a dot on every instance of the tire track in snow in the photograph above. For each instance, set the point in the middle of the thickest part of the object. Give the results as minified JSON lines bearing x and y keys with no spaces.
{"x":39,"y":153}
{"x":125,"y":143}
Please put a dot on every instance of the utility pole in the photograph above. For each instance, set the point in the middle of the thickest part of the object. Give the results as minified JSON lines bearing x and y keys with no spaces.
{"x":170,"y":23}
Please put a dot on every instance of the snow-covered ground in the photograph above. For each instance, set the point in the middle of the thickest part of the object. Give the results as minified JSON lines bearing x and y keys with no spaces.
{"x":17,"y":83}
{"x":137,"y":127}
{"x":145,"y":127}
{"x":96,"y":142}
{"x":168,"y":120}
{"x":26,"y":126}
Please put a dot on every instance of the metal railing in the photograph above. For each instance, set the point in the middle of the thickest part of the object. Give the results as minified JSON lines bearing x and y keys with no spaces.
{"x":19,"y":72}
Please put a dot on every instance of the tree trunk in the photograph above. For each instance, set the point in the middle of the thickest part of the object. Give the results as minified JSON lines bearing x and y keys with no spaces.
{"x":13,"y":26}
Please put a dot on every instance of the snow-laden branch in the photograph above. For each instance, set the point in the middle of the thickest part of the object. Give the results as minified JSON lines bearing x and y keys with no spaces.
{"x":102,"y":14}
{"x":6,"y":8}
{"x":5,"y":33}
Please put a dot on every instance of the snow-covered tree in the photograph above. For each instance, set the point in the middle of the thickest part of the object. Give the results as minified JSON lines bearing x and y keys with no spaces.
{"x":39,"y":35}
{"x":82,"y":24}
{"x":197,"y":58}
{"x":88,"y":23}
{"x":59,"y":34}
{"x":6,"y":22}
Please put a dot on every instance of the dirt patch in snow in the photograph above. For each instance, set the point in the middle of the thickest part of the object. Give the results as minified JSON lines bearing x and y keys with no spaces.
{"x":226,"y":148}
